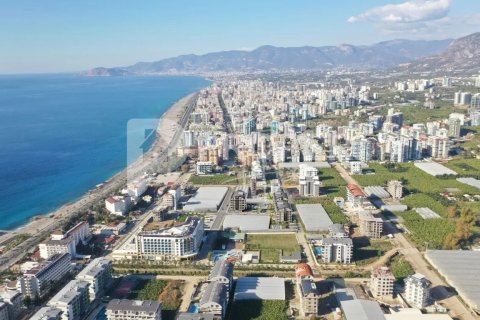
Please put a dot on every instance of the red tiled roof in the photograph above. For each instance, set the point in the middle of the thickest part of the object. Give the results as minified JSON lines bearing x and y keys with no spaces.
{"x":355,"y":190}
{"x":303,"y":270}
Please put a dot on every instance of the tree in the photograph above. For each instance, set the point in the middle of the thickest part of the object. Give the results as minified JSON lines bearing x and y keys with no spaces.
{"x":452,"y":212}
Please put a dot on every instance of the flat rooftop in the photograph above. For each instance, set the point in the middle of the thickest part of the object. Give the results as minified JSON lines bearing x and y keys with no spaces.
{"x":434,"y":168}
{"x":470,"y":181}
{"x":294,"y":165}
{"x":427,"y":213}
{"x":377,"y":191}
{"x":206,"y":199}
{"x":314,"y":217}
{"x":460,"y":269}
{"x":246,"y":222}
{"x":260,"y":288}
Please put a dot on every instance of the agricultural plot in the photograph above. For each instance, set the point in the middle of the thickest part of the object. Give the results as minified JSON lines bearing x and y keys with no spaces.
{"x":217,"y":179}
{"x":271,"y":246}
{"x":259,"y":310}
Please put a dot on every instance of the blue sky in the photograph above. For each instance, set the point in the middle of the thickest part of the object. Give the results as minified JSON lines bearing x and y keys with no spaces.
{"x":61,"y":36}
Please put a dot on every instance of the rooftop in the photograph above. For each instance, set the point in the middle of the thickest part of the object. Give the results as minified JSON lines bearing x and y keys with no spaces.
{"x":434,"y":168}
{"x":456,"y":267}
{"x":206,"y":199}
{"x":246,"y":222}
{"x":134,"y":305}
{"x":355,"y":190}
{"x":69,"y":292}
{"x":95,"y":267}
{"x":314,"y":217}
{"x":427,"y":213}
{"x":215,"y":292}
{"x":222,"y":268}
{"x":257,"y":288}
{"x":377,"y":191}
{"x":178,"y":230}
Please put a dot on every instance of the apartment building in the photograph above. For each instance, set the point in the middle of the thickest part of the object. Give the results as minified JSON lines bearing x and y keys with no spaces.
{"x":308,"y":181}
{"x":337,"y":250}
{"x":417,"y":290}
{"x":204,"y":167}
{"x":180,"y":241}
{"x":238,"y":201}
{"x":13,"y":300}
{"x":222,"y":272}
{"x":98,"y":273}
{"x":381,"y":282}
{"x":37,"y":281}
{"x":67,"y":242}
{"x":214,"y":300}
{"x":395,"y":189}
{"x":47,"y":313}
{"x":118,"y":205}
{"x":370,"y":226}
{"x":123,"y":309}
{"x":73,"y":300}
{"x":355,"y":195}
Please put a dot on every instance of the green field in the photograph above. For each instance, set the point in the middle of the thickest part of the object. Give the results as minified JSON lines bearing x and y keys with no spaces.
{"x":427,"y":231}
{"x":415,"y":180}
{"x":272,"y":246}
{"x":367,"y":252}
{"x":169,"y":292}
{"x":217,"y":179}
{"x":258,"y":310}
{"x":333,"y":183}
{"x":466,"y":167}
{"x":400,"y":268}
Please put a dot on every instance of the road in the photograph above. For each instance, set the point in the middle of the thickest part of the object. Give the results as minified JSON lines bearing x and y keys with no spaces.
{"x":222,"y":211}
{"x":456,"y":308}
{"x":83,"y":204}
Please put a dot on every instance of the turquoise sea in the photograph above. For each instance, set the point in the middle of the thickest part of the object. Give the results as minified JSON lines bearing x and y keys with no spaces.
{"x":60,"y":135}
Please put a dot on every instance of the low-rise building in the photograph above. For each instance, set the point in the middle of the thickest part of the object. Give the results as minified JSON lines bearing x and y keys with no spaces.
{"x":123,"y":309}
{"x":222,"y":272}
{"x":337,"y":250}
{"x":309,"y":296}
{"x":73,"y":300}
{"x":47,"y":313}
{"x":118,"y":205}
{"x":238,"y":201}
{"x":337,"y":230}
{"x":98,"y":273}
{"x":214,"y":300}
{"x":381,"y":282}
{"x":417,"y":290}
{"x":50,"y":247}
{"x":204,"y":167}
{"x":355,"y":195}
{"x":37,"y":282}
{"x":395,"y":188}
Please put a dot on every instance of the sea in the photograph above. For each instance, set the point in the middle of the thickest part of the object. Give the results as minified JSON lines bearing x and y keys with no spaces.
{"x":61,"y":135}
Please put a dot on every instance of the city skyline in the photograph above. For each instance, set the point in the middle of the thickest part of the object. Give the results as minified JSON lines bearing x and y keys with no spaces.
{"x":59,"y":37}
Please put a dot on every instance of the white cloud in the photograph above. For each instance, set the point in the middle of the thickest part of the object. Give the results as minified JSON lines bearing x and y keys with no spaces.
{"x":412,"y":14}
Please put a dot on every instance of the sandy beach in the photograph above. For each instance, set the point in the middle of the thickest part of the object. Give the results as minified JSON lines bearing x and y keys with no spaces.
{"x":42,"y":226}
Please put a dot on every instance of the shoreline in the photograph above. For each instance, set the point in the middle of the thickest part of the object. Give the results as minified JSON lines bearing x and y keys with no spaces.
{"x":47,"y":222}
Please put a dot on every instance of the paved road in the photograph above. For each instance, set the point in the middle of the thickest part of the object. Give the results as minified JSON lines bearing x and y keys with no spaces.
{"x":222,"y":211}
{"x":420,"y":265}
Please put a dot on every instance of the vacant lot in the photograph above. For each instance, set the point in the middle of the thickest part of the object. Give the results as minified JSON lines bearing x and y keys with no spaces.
{"x":272,"y":245}
{"x":366,"y":252}
{"x":217,"y":179}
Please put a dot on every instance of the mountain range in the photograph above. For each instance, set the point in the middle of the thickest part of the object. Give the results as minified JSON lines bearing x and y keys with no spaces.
{"x":387,"y":54}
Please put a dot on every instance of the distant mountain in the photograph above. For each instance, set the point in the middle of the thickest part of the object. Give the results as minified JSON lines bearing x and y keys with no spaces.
{"x":381,"y":55}
{"x":463,"y":53}
{"x":106,"y":72}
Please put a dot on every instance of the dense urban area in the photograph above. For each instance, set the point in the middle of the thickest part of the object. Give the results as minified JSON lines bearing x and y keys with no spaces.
{"x":289,"y":195}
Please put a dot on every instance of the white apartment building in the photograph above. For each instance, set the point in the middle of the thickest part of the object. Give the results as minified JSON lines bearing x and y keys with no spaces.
{"x":178,"y":242}
{"x":73,"y":300}
{"x":98,"y":274}
{"x":355,"y":195}
{"x":417,"y":290}
{"x":50,"y":248}
{"x":37,"y":282}
{"x":381,"y":282}
{"x":356,"y":167}
{"x":123,"y":309}
{"x":118,"y":205}
{"x":337,"y":250}
{"x":308,"y":181}
{"x":204,"y":167}
{"x":136,"y":188}
{"x":47,"y":313}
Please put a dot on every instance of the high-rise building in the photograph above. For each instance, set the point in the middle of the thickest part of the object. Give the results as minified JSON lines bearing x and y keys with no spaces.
{"x":475,"y":101}
{"x":14,"y":302}
{"x":381,"y":282}
{"x":477,"y":81}
{"x":238,"y":201}
{"x":308,"y":180}
{"x":189,"y":138}
{"x":454,"y":126}
{"x":417,"y":290}
{"x":447,"y":82}
{"x":123,"y":309}
{"x":362,"y":149}
{"x":355,"y":195}
{"x":47,"y":313}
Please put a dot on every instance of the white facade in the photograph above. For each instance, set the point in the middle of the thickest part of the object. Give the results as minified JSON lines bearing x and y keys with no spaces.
{"x":49,"y":248}
{"x":381,"y":282}
{"x":118,"y":205}
{"x":133,"y":310}
{"x":204,"y":167}
{"x":337,"y":250}
{"x":417,"y":290}
{"x":73,"y":300}
{"x":98,"y":274}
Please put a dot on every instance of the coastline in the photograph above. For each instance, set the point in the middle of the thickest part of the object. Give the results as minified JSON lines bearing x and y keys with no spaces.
{"x":41,"y":225}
